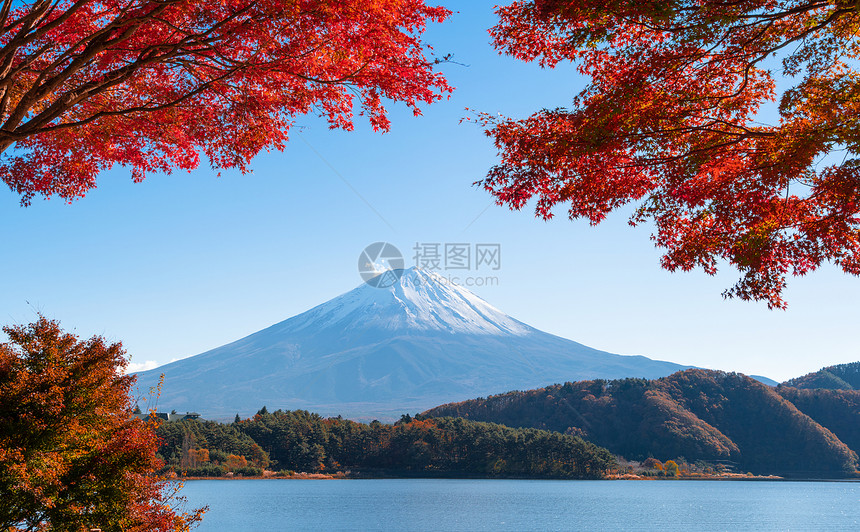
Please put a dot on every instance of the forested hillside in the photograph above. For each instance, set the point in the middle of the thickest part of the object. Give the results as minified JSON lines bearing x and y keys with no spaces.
{"x":301,"y":441}
{"x":839,"y":377}
{"x":697,"y":414}
{"x":838,"y":410}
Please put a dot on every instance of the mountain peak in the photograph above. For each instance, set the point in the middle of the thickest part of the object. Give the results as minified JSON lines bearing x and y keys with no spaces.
{"x":413,"y":300}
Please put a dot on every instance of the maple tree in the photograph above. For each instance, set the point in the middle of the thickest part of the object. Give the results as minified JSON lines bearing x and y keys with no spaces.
{"x":153,"y":84}
{"x":71,"y":455}
{"x":683,"y":117}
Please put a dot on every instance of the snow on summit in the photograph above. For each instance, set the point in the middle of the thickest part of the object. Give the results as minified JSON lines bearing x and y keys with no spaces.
{"x":420,"y":301}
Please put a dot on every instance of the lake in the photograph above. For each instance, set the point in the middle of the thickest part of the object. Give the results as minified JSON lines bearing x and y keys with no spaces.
{"x":437,"y":504}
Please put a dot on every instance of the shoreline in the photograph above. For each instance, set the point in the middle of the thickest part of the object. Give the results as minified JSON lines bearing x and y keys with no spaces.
{"x":345,"y":476}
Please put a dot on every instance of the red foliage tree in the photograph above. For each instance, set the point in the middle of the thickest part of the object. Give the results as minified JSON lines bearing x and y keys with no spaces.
{"x":151,"y":84}
{"x":71,"y":455}
{"x":671,"y":121}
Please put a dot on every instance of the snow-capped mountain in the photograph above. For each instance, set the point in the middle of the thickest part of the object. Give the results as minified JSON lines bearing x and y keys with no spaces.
{"x":420,"y":301}
{"x":381,"y":352}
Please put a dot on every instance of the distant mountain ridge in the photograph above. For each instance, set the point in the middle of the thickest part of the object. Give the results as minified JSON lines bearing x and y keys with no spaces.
{"x":375,"y":352}
{"x":697,"y":414}
{"x":838,"y":377}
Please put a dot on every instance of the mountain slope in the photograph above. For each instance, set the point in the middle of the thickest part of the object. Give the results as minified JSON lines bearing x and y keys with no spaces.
{"x":839,"y":377}
{"x":838,"y":410}
{"x":697,"y":414}
{"x":380,"y":352}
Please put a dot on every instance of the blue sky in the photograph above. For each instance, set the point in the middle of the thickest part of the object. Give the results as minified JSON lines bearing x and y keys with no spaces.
{"x":180,"y":264}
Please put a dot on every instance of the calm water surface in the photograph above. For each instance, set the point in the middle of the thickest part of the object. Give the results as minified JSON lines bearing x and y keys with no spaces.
{"x":431,"y":504}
